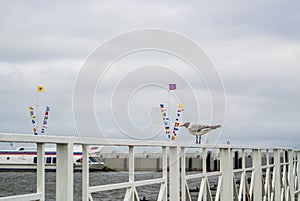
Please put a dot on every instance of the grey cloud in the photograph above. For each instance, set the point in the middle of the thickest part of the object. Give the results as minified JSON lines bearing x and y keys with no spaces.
{"x":255,"y":46}
{"x":239,"y":19}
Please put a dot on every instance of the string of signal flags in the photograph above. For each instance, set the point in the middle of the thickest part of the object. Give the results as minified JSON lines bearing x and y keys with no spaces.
{"x":34,"y":118}
{"x":171,"y":133}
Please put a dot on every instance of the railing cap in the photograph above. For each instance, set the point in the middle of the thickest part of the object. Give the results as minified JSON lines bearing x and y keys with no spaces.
{"x":51,"y":139}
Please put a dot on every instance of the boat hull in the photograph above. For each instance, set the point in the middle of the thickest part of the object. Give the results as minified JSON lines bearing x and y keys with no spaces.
{"x":48,"y":168}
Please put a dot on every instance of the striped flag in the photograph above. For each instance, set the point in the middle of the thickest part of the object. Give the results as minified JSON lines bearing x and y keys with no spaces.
{"x":31,"y":112}
{"x":45,"y":120}
{"x":172,"y":86}
{"x":40,"y":89}
{"x":176,"y":123}
{"x":166,"y":121}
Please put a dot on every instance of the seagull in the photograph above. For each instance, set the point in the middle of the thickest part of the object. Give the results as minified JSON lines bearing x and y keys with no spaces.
{"x":198,"y":130}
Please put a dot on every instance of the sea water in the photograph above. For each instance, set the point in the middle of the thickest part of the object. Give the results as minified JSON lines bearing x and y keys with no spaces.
{"x":17,"y":183}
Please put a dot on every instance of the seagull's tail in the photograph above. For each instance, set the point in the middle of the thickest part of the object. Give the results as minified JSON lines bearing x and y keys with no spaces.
{"x":214,"y":127}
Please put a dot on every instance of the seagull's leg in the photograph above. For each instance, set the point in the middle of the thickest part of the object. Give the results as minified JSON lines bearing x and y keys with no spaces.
{"x":196,"y":139}
{"x":199,"y":139}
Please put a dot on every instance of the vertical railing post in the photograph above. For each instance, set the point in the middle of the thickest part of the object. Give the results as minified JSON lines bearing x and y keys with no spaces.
{"x":277,"y":182}
{"x":85,"y":173}
{"x":183,"y":180}
{"x":204,"y":170}
{"x":290,"y":175}
{"x":41,"y":170}
{"x":284,"y":175}
{"x":257,"y":183}
{"x":174,"y":181}
{"x":64,"y":172}
{"x":298,"y":174}
{"x":226,"y":167}
{"x":130,"y":193}
{"x":131,"y":164}
{"x":165,"y":172}
{"x":267,"y":195}
{"x":244,"y":174}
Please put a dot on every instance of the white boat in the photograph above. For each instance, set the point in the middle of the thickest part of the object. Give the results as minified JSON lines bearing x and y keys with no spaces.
{"x":25,"y":158}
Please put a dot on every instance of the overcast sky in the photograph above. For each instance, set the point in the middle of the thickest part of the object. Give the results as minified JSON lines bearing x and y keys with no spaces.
{"x":255,"y":48}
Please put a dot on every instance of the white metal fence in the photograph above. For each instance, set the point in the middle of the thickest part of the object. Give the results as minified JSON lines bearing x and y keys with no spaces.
{"x":272,"y":174}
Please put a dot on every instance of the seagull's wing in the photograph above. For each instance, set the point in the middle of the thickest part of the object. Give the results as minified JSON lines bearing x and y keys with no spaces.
{"x":197,"y":127}
{"x":214,"y":127}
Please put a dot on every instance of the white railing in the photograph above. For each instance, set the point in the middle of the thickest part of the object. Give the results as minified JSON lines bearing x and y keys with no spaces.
{"x":271,"y":175}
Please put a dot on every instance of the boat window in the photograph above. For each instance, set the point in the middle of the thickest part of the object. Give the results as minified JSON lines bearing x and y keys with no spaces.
{"x":92,"y":159}
{"x":95,"y":159}
{"x":7,"y":158}
{"x":48,"y":160}
{"x":98,"y":159}
{"x":54,"y":160}
{"x":35,"y":160}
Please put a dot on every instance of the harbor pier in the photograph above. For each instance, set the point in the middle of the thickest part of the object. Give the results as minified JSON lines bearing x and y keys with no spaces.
{"x":149,"y":161}
{"x":224,"y":172}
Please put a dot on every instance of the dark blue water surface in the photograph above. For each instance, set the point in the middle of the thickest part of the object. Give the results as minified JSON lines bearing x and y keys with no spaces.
{"x":16,"y":183}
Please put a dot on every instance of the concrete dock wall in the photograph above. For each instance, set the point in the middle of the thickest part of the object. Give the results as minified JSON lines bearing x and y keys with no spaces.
{"x":148,"y":162}
{"x":153,"y":161}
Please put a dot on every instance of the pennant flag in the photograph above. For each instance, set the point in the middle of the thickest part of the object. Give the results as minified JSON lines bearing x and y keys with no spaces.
{"x":40,"y":89}
{"x":32,"y":116}
{"x":176,"y":123}
{"x":172,"y":86}
{"x":166,"y":121}
{"x":45,"y":121}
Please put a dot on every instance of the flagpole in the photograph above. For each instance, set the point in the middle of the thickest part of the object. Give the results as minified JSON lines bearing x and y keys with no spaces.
{"x":169,"y":105}
{"x":37,"y":111}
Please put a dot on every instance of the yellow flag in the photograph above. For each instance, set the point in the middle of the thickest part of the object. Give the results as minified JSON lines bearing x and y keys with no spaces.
{"x":179,"y":105}
{"x":40,"y":89}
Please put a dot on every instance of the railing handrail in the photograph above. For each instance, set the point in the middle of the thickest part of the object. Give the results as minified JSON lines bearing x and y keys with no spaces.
{"x":53,"y":139}
{"x":285,"y":166}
